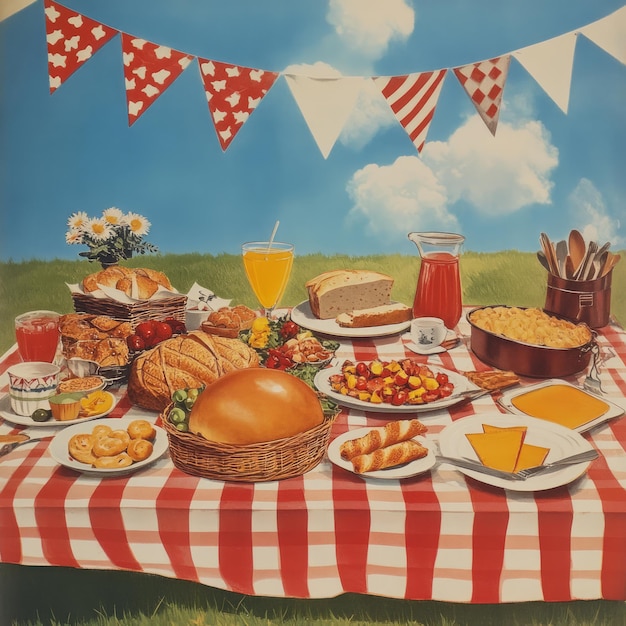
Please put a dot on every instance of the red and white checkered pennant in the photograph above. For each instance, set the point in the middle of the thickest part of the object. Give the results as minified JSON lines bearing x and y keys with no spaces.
{"x":484,"y":84}
{"x":413,"y":99}
{"x":233,"y":92}
{"x":149,"y":69}
{"x":72,"y":40}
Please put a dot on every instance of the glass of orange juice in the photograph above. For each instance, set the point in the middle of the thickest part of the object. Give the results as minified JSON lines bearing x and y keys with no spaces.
{"x":268,"y":266}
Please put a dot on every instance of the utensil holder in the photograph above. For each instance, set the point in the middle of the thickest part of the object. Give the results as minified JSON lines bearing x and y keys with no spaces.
{"x":587,"y":301}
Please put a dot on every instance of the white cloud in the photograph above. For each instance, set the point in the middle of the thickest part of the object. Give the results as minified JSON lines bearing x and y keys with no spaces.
{"x":589,"y":214}
{"x":395,"y":199}
{"x":368,"y":26}
{"x":497,"y":175}
{"x":319,"y":69}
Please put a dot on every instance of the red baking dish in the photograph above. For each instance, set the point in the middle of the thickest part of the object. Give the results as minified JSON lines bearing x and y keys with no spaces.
{"x":527,"y":359}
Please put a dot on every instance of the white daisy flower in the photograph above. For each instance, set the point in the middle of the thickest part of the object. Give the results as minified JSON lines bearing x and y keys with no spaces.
{"x":113,"y":216}
{"x":98,"y":229}
{"x":73,"y":236}
{"x":77,"y":220}
{"x":138,"y":224}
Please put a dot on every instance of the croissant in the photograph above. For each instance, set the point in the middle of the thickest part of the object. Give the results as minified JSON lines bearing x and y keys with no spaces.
{"x":186,"y":361}
{"x":392,"y":432}
{"x":396,"y":454}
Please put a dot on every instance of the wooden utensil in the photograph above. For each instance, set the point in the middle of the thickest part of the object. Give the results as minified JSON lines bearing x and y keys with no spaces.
{"x":586,"y":265}
{"x":548,"y":250}
{"x":561,"y":256}
{"x":610,"y":263}
{"x":577,"y":248}
{"x":569,"y":268}
{"x":542,"y":259}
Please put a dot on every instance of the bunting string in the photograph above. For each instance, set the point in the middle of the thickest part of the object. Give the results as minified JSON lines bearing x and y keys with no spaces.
{"x":233,"y":92}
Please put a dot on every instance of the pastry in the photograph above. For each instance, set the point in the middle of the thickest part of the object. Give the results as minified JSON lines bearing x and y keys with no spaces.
{"x":392,"y":432}
{"x":391,"y":456}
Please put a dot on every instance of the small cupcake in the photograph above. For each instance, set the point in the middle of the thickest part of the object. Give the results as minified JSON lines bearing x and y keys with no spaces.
{"x":65,"y":406}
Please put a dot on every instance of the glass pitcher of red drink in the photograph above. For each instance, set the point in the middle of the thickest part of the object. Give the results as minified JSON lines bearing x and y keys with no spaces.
{"x":438,"y":292}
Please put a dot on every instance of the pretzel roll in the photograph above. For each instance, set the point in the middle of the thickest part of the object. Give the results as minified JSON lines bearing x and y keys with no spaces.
{"x":382,"y":458}
{"x":139,"y":449}
{"x":113,"y":462}
{"x":108,"y":446}
{"x":392,"y":432}
{"x":141,"y":429}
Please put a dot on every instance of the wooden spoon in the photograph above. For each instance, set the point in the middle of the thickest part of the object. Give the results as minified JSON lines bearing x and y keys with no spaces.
{"x":577,"y":248}
{"x":610,"y":263}
{"x":569,"y":268}
{"x":542,"y":259}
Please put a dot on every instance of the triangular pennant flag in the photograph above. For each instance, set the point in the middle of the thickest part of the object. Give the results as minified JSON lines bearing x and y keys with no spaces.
{"x":610,"y":34}
{"x":326,"y":104}
{"x":484,"y":83}
{"x":233,"y":93}
{"x":72,"y":40}
{"x":149,"y":69}
{"x":413,"y":100}
{"x":550,"y":63}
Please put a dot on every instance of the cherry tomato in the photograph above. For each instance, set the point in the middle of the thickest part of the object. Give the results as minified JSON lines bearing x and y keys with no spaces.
{"x":146,"y":331}
{"x":399,"y":398}
{"x":361,"y":383}
{"x":362,"y":369}
{"x":431,"y":396}
{"x":178,"y":327}
{"x":446,"y":390}
{"x":162,"y":331}
{"x":289,"y":329}
{"x":441,"y":378}
{"x":135,"y":343}
{"x":272,"y":362}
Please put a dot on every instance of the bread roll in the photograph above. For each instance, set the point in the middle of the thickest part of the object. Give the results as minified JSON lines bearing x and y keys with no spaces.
{"x":255,"y":405}
{"x":138,"y":283}
{"x":392,"y":432}
{"x":192,"y":360}
{"x":342,"y":291}
{"x":376,"y":316}
{"x":382,"y":458}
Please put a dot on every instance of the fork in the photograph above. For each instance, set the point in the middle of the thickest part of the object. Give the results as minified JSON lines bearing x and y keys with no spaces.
{"x":8,"y":447}
{"x":592,"y":380}
{"x":581,"y":457}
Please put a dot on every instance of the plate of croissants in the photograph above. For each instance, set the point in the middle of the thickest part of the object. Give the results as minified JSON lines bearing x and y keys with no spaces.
{"x":397,"y":450}
{"x":109,"y":447}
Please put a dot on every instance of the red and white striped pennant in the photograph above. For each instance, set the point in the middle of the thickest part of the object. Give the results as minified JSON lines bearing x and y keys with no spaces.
{"x":413,"y":99}
{"x":484,"y":83}
{"x":233,"y":92}
{"x":149,"y":69}
{"x":72,"y":40}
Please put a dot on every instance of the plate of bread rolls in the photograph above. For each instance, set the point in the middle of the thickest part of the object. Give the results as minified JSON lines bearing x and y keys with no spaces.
{"x":397,"y":450}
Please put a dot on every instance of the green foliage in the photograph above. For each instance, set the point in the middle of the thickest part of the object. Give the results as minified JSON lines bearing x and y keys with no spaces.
{"x":508,"y":277}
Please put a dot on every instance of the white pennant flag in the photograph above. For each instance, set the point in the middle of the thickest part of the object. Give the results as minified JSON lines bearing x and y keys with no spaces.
{"x":610,"y":34}
{"x":326,"y":104}
{"x":550,"y":63}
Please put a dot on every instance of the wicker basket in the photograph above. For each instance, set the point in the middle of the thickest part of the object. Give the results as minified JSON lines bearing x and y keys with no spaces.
{"x":135,"y":313}
{"x":257,"y":462}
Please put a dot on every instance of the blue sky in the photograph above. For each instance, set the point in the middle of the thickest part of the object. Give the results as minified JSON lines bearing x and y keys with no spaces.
{"x":545,"y":170}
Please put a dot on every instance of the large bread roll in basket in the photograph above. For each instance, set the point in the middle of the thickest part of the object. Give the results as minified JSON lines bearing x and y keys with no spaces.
{"x":193,"y":360}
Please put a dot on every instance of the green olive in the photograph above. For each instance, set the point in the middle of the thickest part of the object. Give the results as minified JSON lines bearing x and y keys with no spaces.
{"x":183,"y":427}
{"x":189,"y":402}
{"x":192,"y":393}
{"x":180,"y":395}
{"x":177,"y":416}
{"x":41,"y":415}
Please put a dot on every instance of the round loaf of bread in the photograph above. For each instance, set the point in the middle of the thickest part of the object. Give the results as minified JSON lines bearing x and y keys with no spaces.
{"x":253,"y":406}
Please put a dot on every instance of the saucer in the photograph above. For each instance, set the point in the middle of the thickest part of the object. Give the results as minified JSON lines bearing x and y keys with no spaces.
{"x":427,"y":350}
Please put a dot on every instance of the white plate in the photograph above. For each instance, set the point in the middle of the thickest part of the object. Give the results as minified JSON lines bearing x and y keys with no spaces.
{"x":402,"y":471}
{"x":303,"y":316}
{"x":460,"y":382}
{"x":506,"y":401}
{"x":561,"y":441}
{"x":27,"y":420}
{"x":59,"y":448}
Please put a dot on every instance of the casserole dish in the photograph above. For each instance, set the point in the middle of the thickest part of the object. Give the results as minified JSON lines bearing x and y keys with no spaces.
{"x":526,"y":359}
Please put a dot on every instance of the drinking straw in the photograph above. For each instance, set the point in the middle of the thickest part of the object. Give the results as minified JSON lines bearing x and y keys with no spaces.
{"x":269,"y":245}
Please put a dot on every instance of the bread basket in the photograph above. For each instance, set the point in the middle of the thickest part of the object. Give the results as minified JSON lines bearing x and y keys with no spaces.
{"x":257,"y":462}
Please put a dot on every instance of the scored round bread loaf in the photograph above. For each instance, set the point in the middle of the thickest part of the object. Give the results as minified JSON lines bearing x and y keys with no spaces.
{"x":254,"y":406}
{"x":186,"y":361}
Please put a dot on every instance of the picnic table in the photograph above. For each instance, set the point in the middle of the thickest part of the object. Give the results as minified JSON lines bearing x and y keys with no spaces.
{"x":440,"y":535}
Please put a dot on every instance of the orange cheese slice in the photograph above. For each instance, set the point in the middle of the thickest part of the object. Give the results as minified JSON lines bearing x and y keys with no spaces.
{"x":530,"y":456}
{"x":561,"y":404}
{"x":498,"y":449}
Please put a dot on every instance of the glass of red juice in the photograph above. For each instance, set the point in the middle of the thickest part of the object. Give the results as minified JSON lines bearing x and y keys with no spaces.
{"x":438,"y":292}
{"x":37,"y":334}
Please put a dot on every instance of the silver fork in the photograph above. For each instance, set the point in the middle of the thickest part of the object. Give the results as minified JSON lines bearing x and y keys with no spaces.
{"x":8,"y":447}
{"x":592,"y":382}
{"x":581,"y":457}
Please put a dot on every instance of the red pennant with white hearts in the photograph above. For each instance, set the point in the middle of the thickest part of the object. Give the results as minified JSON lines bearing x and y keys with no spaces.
{"x":233,"y":92}
{"x":484,"y":84}
{"x":72,"y":40}
{"x":413,"y":100}
{"x":149,"y":69}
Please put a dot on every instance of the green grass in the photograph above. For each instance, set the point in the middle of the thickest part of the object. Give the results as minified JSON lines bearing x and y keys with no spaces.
{"x":58,"y":596}
{"x":509,"y":277}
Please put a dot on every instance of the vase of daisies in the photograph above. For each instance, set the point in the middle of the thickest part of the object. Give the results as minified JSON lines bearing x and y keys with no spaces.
{"x":111,"y":237}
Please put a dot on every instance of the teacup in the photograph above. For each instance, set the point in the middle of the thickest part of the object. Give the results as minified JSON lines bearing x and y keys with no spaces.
{"x":428,"y":332}
{"x":31,"y":384}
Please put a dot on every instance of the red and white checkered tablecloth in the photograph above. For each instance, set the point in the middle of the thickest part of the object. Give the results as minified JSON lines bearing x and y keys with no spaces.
{"x":437,"y":536}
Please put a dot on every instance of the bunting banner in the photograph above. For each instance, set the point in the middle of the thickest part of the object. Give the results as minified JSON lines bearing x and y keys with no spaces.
{"x":234,"y":92}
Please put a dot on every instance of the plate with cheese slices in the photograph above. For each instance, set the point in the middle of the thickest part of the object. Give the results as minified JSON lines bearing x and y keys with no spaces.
{"x":304,"y":317}
{"x":511,"y":443}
